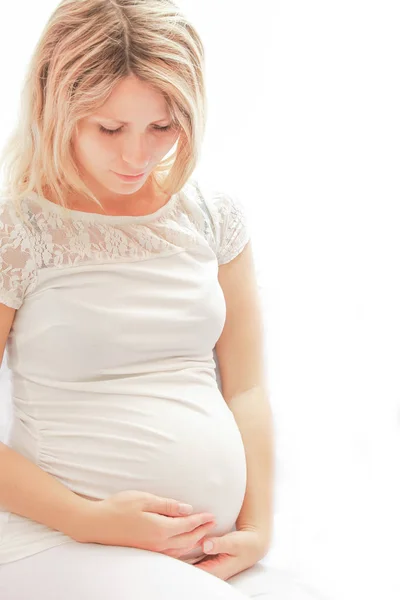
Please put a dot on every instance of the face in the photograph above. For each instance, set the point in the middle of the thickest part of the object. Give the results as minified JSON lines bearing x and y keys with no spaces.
{"x":130,"y":134}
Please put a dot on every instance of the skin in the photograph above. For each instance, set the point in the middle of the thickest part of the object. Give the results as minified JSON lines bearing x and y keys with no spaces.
{"x":240,"y":353}
{"x":137,"y":147}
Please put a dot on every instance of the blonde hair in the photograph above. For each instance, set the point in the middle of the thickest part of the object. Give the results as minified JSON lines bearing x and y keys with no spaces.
{"x":85,"y":49}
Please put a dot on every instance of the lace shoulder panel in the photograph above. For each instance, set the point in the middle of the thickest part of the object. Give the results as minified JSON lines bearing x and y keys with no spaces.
{"x":17,"y":267}
{"x":229,"y":231}
{"x":196,"y":216}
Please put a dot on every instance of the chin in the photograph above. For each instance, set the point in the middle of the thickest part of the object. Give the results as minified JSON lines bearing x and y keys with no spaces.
{"x":125,"y":189}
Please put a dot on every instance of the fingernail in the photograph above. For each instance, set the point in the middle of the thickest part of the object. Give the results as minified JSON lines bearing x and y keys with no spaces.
{"x":208,"y":546}
{"x":185,"y":509}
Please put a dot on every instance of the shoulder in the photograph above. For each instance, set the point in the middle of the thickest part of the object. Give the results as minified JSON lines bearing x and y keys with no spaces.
{"x":8,"y":213}
{"x":223,"y":216}
{"x":12,"y":223}
{"x":17,"y":267}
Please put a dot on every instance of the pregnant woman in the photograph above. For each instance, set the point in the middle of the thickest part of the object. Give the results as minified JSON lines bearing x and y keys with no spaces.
{"x":131,"y":471}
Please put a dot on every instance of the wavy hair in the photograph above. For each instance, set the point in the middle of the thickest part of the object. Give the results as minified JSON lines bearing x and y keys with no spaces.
{"x":85,"y":49}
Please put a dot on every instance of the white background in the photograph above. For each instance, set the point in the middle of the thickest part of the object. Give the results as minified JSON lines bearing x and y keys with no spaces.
{"x":304,"y":125}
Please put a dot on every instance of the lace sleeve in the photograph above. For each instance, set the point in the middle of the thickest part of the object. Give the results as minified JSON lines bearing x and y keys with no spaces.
{"x":233,"y":231}
{"x":17,"y":267}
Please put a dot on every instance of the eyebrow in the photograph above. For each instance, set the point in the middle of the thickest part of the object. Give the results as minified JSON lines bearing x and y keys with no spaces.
{"x":126,"y":122}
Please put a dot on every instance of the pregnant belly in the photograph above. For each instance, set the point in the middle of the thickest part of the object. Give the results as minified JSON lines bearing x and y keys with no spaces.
{"x":188,"y":449}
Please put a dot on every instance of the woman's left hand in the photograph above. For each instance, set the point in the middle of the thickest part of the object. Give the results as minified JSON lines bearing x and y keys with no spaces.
{"x":233,"y":553}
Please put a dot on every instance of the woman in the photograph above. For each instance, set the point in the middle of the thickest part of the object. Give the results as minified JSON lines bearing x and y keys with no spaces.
{"x":124,"y":282}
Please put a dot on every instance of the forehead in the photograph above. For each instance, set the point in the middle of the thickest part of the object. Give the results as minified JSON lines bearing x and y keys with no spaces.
{"x":133,"y":99}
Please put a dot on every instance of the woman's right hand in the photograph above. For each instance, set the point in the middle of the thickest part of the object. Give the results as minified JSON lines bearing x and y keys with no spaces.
{"x":143,"y":520}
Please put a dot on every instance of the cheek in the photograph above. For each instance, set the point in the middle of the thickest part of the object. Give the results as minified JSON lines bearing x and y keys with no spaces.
{"x":90,"y":150}
{"x":166,"y":145}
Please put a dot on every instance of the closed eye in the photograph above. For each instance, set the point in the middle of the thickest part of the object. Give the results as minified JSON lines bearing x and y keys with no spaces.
{"x":115,"y":131}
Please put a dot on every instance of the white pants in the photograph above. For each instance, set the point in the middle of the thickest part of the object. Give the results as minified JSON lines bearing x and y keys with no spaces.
{"x":75,"y":571}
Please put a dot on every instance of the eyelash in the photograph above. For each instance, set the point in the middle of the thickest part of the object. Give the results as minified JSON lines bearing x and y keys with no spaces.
{"x":115,"y":131}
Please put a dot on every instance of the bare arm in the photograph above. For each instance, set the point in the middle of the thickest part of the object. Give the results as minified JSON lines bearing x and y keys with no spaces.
{"x":27,"y":490}
{"x":241,"y":362}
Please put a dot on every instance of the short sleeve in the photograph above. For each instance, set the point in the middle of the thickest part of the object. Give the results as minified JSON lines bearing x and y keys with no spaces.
{"x":232,"y":226}
{"x":17,"y":267}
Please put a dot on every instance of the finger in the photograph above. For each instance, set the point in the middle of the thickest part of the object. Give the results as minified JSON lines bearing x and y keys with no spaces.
{"x":181,"y":525}
{"x":225,"y":544}
{"x":166,"y":506}
{"x":191,"y":539}
{"x":178,"y":552}
{"x":222,"y":566}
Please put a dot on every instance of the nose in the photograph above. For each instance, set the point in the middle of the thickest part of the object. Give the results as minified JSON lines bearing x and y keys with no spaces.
{"x":136,"y":153}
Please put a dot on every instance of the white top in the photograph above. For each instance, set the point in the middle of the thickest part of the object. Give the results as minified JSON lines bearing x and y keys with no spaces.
{"x":114,"y":383}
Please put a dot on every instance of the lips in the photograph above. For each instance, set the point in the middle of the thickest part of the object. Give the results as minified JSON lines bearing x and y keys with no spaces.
{"x":129,"y":178}
{"x":130,"y":174}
